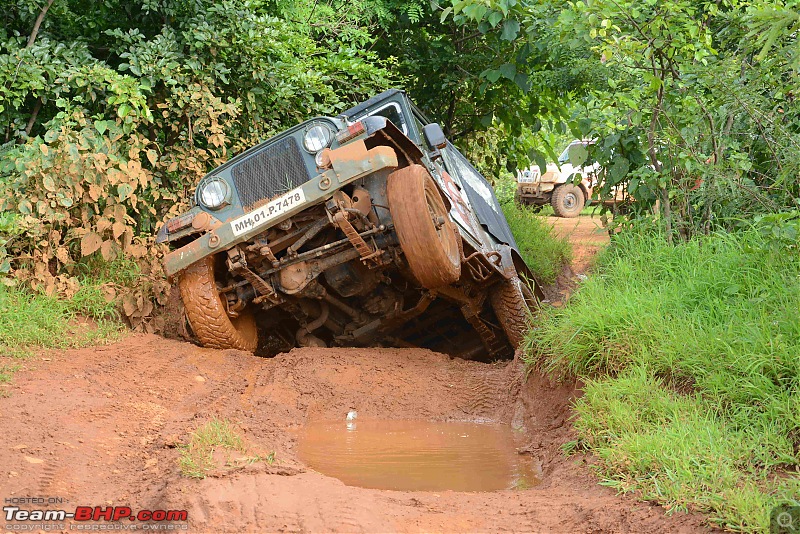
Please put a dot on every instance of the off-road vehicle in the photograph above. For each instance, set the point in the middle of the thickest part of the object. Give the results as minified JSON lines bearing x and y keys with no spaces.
{"x":366,"y":228}
{"x":556,"y":185}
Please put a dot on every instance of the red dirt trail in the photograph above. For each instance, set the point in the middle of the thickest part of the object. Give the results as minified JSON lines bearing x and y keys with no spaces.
{"x":586,"y":235}
{"x":103,"y":426}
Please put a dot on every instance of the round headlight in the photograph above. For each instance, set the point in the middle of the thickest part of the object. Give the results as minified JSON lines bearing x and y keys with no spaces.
{"x":317,"y":137}
{"x":213,"y":193}
{"x":319,"y":160}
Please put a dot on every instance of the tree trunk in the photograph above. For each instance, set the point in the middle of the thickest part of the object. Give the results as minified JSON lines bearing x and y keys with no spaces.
{"x":667,"y":213}
{"x":36,"y":108}
{"x":38,"y":23}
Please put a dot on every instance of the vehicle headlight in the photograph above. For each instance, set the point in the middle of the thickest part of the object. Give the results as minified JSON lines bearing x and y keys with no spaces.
{"x":317,"y":137}
{"x":212,"y":193}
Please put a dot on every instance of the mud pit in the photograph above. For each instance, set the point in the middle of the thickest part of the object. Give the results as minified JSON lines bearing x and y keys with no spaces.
{"x":102,"y":426}
{"x":416,"y":455}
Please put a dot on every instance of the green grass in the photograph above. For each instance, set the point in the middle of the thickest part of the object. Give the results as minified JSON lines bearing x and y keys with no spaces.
{"x":543,"y":251}
{"x":197,"y":456}
{"x":691,"y":357}
{"x":31,"y":321}
{"x":6,"y":372}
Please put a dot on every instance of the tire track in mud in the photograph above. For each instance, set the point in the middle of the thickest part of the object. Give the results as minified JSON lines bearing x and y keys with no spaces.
{"x":114,"y":415}
{"x":341,"y":514}
{"x":484,"y":395}
{"x":46,"y":478}
{"x":491,"y":394}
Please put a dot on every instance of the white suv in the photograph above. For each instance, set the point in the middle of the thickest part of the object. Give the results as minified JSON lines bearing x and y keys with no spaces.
{"x":556,"y":186}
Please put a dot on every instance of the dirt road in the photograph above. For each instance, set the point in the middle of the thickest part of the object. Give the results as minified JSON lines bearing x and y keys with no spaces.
{"x":586,"y":235}
{"x":103,"y":426}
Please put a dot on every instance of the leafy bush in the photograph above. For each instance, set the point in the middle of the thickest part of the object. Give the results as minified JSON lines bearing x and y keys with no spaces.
{"x":699,"y":119}
{"x":690,"y":353}
{"x":85,"y":191}
{"x":108,"y":128}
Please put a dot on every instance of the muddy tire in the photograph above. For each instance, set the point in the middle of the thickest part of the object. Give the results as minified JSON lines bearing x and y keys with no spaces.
{"x":568,"y":200}
{"x":431,"y":249}
{"x":512,"y":302}
{"x":206,"y":311}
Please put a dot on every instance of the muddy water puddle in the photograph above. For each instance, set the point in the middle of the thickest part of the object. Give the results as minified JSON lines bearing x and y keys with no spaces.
{"x":417,"y":455}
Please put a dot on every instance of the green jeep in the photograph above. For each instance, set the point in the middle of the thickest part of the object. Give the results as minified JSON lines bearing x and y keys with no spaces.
{"x":369,"y":228}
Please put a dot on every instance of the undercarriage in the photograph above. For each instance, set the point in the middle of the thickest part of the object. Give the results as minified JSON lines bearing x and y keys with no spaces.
{"x":335,"y":275}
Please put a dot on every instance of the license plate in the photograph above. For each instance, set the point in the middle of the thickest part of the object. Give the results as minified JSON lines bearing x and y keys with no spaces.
{"x":267,"y":212}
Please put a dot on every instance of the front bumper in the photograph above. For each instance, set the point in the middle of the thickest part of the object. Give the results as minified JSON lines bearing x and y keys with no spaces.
{"x":348,"y":163}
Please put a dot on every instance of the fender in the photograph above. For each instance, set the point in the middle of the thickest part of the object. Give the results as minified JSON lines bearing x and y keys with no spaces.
{"x":406,"y":146}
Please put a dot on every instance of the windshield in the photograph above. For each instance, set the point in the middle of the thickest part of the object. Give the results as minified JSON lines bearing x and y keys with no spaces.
{"x":564,"y":157}
{"x":392,"y":112}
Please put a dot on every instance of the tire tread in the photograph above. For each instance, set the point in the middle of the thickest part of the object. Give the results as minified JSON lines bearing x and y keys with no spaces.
{"x":207,"y":315}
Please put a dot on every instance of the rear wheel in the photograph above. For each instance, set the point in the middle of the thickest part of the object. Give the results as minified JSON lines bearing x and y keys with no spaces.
{"x":428,"y":238}
{"x":513,"y":303}
{"x":568,"y":200}
{"x":206,"y":311}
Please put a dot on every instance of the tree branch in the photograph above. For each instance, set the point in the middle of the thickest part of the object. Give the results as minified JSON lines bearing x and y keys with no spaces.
{"x":467,"y":38}
{"x":36,"y":108}
{"x":38,"y":23}
{"x":451,"y":108}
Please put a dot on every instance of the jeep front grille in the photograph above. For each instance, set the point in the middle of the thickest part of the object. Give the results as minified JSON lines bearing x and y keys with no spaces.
{"x":270,"y":172}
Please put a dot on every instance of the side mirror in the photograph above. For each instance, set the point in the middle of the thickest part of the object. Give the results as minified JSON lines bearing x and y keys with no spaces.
{"x":434,"y":135}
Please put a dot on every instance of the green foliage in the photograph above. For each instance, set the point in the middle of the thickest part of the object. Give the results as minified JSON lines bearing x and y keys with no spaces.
{"x":692,"y":354}
{"x":699,"y":121}
{"x":773,"y":26}
{"x":476,"y":66}
{"x":780,"y":230}
{"x":544,"y":252}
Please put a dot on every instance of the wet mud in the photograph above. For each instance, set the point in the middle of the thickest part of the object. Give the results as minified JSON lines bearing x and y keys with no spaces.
{"x":105,"y":426}
{"x":414,"y":455}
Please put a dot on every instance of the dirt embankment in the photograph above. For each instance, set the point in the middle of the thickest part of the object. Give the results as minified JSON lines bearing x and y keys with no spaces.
{"x":102,"y":426}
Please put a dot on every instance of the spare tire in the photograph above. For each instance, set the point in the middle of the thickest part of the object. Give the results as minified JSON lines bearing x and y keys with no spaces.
{"x":206,"y":311}
{"x":428,"y":238}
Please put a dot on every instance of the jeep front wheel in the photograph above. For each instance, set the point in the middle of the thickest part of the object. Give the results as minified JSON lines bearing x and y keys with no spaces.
{"x":427,"y":236}
{"x":567,"y":200}
{"x":513,"y":303}
{"x":206,"y":311}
